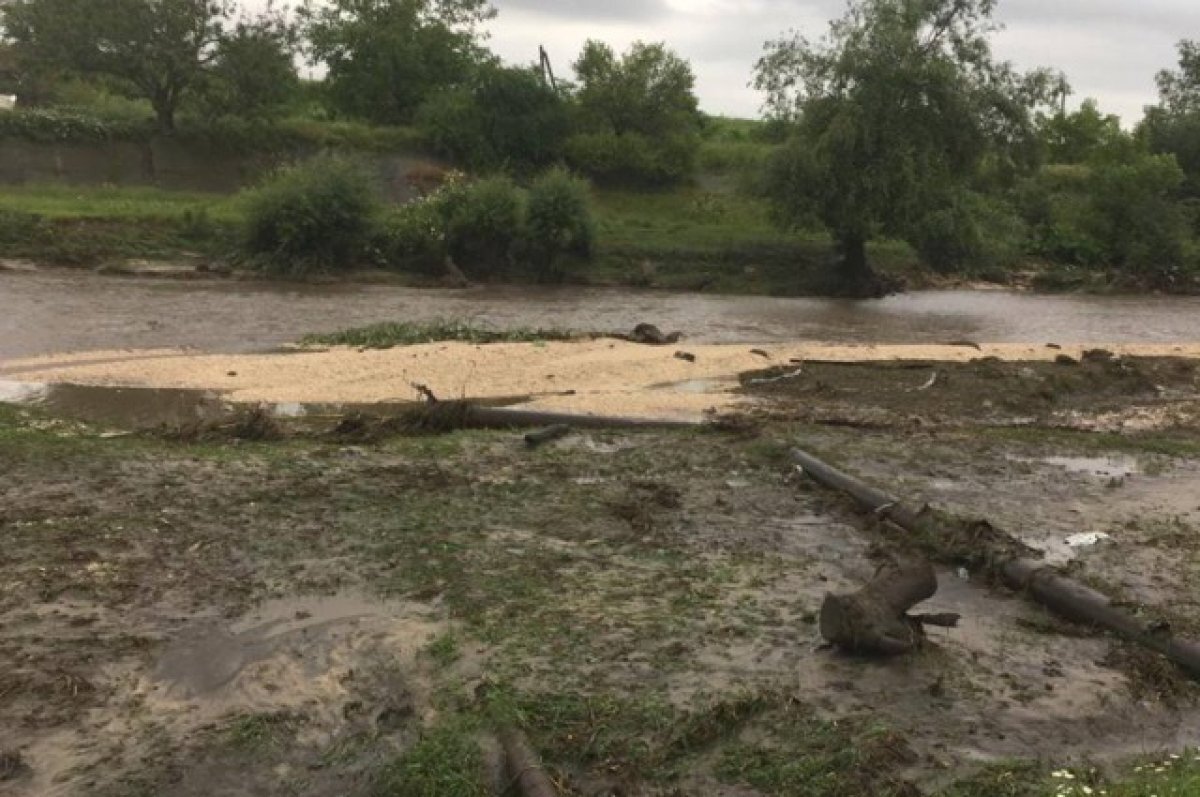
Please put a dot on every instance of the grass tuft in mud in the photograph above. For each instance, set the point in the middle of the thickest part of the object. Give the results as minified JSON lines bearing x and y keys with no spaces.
{"x":404,"y":333}
{"x":445,"y":762}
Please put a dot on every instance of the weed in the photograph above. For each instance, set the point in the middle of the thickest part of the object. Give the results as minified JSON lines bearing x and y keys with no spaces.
{"x":445,"y":762}
{"x":404,"y":333}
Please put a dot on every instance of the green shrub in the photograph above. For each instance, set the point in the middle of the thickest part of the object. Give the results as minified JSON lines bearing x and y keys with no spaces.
{"x":632,"y":159}
{"x":971,"y":234}
{"x":508,"y":119}
{"x":558,"y":222}
{"x":314,"y":216}
{"x":412,"y":237}
{"x":482,"y":224}
{"x":60,"y":125}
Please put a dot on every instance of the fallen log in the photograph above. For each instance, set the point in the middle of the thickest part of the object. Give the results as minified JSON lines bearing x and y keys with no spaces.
{"x":547,"y":435}
{"x":450,"y":415}
{"x":524,"y":767}
{"x":1032,"y":578}
{"x":875,"y":619}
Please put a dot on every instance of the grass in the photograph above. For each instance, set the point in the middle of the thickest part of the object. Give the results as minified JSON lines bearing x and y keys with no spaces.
{"x":111,"y":203}
{"x":445,"y":762}
{"x":403,"y":333}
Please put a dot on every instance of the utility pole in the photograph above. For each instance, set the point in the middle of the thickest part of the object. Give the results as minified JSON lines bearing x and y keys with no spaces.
{"x":547,"y":68}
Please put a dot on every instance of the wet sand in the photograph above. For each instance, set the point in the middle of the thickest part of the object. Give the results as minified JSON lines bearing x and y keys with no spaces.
{"x":596,"y":376}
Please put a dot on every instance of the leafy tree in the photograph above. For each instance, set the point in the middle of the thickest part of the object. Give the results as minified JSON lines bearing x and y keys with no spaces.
{"x":1173,"y":126}
{"x":253,"y":72}
{"x":648,"y":90}
{"x":386,"y":57}
{"x":895,"y":111}
{"x":156,"y":49}
{"x":1085,"y":135}
{"x":638,"y":116}
{"x":508,"y":117}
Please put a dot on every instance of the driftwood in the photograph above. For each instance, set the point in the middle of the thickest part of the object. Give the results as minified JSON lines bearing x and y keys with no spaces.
{"x":524,"y":767}
{"x":547,"y":435}
{"x":875,"y":620}
{"x":1035,"y":579}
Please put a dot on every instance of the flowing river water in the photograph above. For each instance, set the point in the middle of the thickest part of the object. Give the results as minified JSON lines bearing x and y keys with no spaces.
{"x":63,"y":311}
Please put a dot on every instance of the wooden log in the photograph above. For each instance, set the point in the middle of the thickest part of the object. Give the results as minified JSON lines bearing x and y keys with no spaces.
{"x":875,"y":619}
{"x":525,"y":767}
{"x":547,"y":435}
{"x":1038,"y":581}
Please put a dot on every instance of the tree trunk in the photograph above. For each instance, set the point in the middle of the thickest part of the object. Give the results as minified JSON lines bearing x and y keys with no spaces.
{"x":875,"y":619}
{"x":164,"y":111}
{"x":857,"y":277}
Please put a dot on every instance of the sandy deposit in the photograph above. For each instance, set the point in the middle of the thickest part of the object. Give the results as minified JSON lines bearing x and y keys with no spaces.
{"x":594,"y":376}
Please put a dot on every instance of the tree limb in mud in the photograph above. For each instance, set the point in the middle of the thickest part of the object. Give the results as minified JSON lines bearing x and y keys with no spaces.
{"x":875,"y":619}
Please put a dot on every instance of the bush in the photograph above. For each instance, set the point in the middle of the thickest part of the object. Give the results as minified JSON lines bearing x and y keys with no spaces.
{"x":315,"y":216}
{"x":509,"y":119}
{"x":482,"y":224}
{"x":558,"y":222}
{"x":60,"y":125}
{"x":412,"y":238}
{"x":632,"y":159}
{"x":971,"y":234}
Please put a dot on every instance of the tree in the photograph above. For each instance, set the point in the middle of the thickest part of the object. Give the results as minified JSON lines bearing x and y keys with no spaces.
{"x":1085,"y":135}
{"x":649,"y":90}
{"x":386,"y":57}
{"x":894,"y":111}
{"x":157,"y":49}
{"x":1173,"y":126}
{"x":507,"y":117}
{"x":253,"y":71}
{"x":638,"y":116}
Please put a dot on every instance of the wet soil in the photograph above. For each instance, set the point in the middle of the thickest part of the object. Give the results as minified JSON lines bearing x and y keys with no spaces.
{"x":294,"y":616}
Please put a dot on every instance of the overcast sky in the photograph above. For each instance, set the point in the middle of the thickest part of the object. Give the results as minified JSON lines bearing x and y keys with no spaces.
{"x":1110,"y":49}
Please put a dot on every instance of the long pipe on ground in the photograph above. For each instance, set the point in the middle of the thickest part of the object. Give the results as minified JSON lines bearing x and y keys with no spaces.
{"x":1062,"y":595}
{"x":524,"y":766}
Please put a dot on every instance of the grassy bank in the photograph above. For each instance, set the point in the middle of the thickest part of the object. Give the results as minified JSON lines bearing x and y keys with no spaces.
{"x":689,"y":239}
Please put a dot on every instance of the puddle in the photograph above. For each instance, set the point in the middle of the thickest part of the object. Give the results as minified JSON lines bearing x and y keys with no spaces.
{"x":1103,"y":467}
{"x":205,"y":662}
{"x":1112,"y":467}
{"x":148,"y":408}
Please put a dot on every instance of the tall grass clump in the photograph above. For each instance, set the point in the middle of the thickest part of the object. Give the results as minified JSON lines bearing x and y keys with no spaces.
{"x":315,"y":216}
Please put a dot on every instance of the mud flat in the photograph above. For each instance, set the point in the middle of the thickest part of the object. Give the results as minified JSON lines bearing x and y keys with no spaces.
{"x":318,"y":617}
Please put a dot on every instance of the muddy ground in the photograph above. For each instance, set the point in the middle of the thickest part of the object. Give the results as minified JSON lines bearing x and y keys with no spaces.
{"x":309,"y":616}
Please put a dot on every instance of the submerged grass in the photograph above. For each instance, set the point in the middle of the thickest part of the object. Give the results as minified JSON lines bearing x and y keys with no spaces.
{"x":405,"y":333}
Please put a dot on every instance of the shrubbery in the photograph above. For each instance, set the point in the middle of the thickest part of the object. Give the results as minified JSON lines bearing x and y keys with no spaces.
{"x":558,"y":222}
{"x":633,"y":159}
{"x":972,"y":233}
{"x":491,"y":226}
{"x":316,"y":216}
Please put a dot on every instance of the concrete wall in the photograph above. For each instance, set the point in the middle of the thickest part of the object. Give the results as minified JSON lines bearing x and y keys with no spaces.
{"x":167,"y":164}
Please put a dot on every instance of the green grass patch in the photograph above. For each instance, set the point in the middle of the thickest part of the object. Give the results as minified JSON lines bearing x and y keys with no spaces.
{"x":445,"y":762}
{"x":112,"y":203}
{"x":403,"y":333}
{"x":259,"y":732}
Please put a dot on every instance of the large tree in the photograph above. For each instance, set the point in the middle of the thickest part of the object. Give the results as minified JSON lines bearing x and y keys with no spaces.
{"x":386,"y":57}
{"x":895,"y":112}
{"x":253,"y":72}
{"x":1173,"y":126}
{"x":156,"y":49}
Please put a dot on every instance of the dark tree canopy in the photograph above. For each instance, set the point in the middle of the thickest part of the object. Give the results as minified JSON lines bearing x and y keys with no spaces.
{"x":157,"y":49}
{"x":1173,"y":126}
{"x":386,"y":57}
{"x":895,"y":111}
{"x":253,"y":72}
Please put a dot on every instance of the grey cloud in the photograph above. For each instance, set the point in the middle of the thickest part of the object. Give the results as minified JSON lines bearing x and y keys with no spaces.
{"x":576,"y":10}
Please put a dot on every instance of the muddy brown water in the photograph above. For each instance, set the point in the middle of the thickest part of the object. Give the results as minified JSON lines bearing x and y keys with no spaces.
{"x":59,"y":311}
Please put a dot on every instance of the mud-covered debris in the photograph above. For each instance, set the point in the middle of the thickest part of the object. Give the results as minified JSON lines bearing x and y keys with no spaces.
{"x":687,"y":357}
{"x":12,"y":765}
{"x":760,"y":353}
{"x":1098,"y":356}
{"x":1065,"y":359}
{"x":1088,"y":540}
{"x":650,"y":335}
{"x":548,"y":435}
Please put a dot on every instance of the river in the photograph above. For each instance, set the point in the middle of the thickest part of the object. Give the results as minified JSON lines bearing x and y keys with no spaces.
{"x":60,"y":311}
